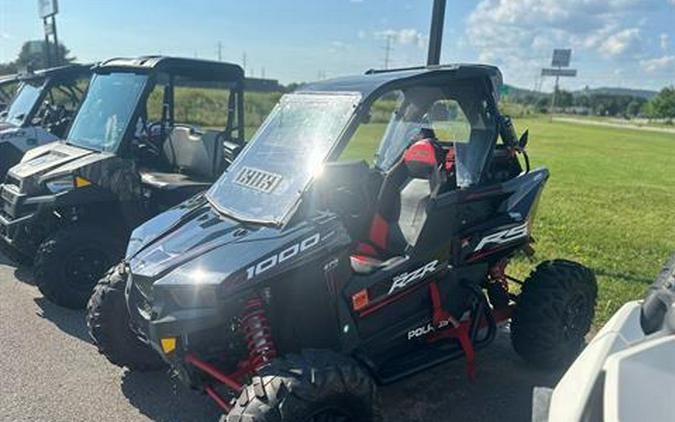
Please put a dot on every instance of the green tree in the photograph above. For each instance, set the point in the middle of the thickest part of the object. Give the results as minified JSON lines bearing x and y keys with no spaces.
{"x":663,"y":105}
{"x":33,"y":54}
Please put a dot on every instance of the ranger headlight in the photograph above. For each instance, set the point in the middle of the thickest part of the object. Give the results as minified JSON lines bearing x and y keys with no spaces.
{"x":60,"y":184}
{"x":64,"y":183}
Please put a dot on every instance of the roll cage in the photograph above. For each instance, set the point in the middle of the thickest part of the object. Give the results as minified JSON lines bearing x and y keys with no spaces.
{"x":63,"y":78}
{"x":369,"y":88}
{"x":184,"y":72}
{"x":6,"y":92}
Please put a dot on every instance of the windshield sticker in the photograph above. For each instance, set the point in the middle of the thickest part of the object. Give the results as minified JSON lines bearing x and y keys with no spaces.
{"x":259,"y":180}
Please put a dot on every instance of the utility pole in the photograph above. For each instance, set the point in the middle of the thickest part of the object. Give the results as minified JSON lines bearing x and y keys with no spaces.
{"x":47,"y":9}
{"x":243,"y":62}
{"x":436,"y":32}
{"x":220,"y":51}
{"x":387,"y":51}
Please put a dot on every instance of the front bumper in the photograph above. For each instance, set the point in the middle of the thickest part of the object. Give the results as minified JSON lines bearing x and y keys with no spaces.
{"x":17,"y":212}
{"x":154,"y":316}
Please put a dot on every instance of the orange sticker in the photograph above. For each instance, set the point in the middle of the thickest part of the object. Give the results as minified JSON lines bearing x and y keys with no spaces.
{"x":360,"y":300}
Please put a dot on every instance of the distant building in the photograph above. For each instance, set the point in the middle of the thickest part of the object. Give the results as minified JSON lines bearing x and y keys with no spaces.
{"x":263,"y":85}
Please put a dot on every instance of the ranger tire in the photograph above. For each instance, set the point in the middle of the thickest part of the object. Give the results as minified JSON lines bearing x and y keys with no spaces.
{"x":69,"y":262}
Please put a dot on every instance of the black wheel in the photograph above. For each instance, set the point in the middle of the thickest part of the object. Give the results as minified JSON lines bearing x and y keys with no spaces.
{"x":108,"y":324}
{"x":316,"y":386}
{"x":554,"y":313}
{"x":70,"y":262}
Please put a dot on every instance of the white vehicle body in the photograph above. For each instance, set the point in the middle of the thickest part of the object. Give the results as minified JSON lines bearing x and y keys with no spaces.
{"x":623,"y":374}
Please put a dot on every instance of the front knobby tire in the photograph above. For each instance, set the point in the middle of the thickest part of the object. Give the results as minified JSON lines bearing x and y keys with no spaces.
{"x":313,"y":386}
{"x":108,"y":324}
{"x":70,"y":262}
{"x":554,"y":313}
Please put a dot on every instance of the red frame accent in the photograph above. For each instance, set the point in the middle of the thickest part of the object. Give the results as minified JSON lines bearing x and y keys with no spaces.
{"x":228,"y":380}
{"x":216,"y":397}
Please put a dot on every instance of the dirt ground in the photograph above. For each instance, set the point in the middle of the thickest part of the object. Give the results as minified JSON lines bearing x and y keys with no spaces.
{"x":50,"y":371}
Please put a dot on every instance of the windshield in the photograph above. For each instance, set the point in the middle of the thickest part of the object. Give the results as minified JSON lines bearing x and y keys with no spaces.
{"x":266,"y":180}
{"x":23,"y":103}
{"x":106,"y":110}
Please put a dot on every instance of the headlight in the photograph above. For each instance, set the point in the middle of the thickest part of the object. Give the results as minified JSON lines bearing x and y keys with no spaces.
{"x":65,"y":183}
{"x":61,"y":184}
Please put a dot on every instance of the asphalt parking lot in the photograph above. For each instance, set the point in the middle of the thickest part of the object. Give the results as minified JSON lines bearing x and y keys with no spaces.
{"x":50,"y":371}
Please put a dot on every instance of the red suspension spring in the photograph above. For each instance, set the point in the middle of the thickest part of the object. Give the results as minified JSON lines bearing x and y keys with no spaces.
{"x":261,"y":348}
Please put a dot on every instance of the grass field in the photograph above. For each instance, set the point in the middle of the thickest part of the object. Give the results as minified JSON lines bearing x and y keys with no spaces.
{"x":609,"y":204}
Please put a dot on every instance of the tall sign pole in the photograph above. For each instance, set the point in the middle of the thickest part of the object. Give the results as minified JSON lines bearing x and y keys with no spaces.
{"x":436,"y":32}
{"x":559,"y":67}
{"x":47,"y":10}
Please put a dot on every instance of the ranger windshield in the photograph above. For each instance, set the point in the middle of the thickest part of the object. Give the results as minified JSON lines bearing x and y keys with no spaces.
{"x":106,"y":111}
{"x":23,"y":102}
{"x":268,"y":178}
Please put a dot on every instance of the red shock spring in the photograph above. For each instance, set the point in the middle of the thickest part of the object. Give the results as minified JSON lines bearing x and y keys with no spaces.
{"x":258,"y":334}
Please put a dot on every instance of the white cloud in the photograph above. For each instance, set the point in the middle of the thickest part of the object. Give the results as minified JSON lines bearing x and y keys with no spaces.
{"x":519,"y":35}
{"x":362,"y":34}
{"x":622,"y":43}
{"x":665,"y":64}
{"x":405,"y":36}
{"x":664,"y":41}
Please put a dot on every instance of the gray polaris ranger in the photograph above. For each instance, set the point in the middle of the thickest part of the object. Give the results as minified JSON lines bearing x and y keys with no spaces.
{"x":134,"y":149}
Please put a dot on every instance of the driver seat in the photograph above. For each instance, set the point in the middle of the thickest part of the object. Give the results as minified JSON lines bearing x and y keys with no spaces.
{"x":401,"y":210}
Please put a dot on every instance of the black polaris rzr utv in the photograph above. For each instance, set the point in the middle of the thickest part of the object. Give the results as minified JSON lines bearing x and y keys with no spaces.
{"x":301,"y":278}
{"x":40,"y":110}
{"x":132,"y":151}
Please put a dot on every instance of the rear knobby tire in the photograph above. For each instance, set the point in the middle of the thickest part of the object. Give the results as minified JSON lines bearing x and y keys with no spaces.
{"x":108,"y":324}
{"x":554,"y":313}
{"x":298,"y":388}
{"x":70,"y":262}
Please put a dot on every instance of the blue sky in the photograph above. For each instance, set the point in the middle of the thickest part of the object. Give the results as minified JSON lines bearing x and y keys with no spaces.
{"x":629,"y":43}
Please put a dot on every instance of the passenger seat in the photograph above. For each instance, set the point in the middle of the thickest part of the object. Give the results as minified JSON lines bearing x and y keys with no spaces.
{"x":197,"y":159}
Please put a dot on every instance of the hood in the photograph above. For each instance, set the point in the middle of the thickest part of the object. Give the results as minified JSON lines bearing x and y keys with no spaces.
{"x":195,"y":245}
{"x":5,"y":125}
{"x":52,"y":159}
